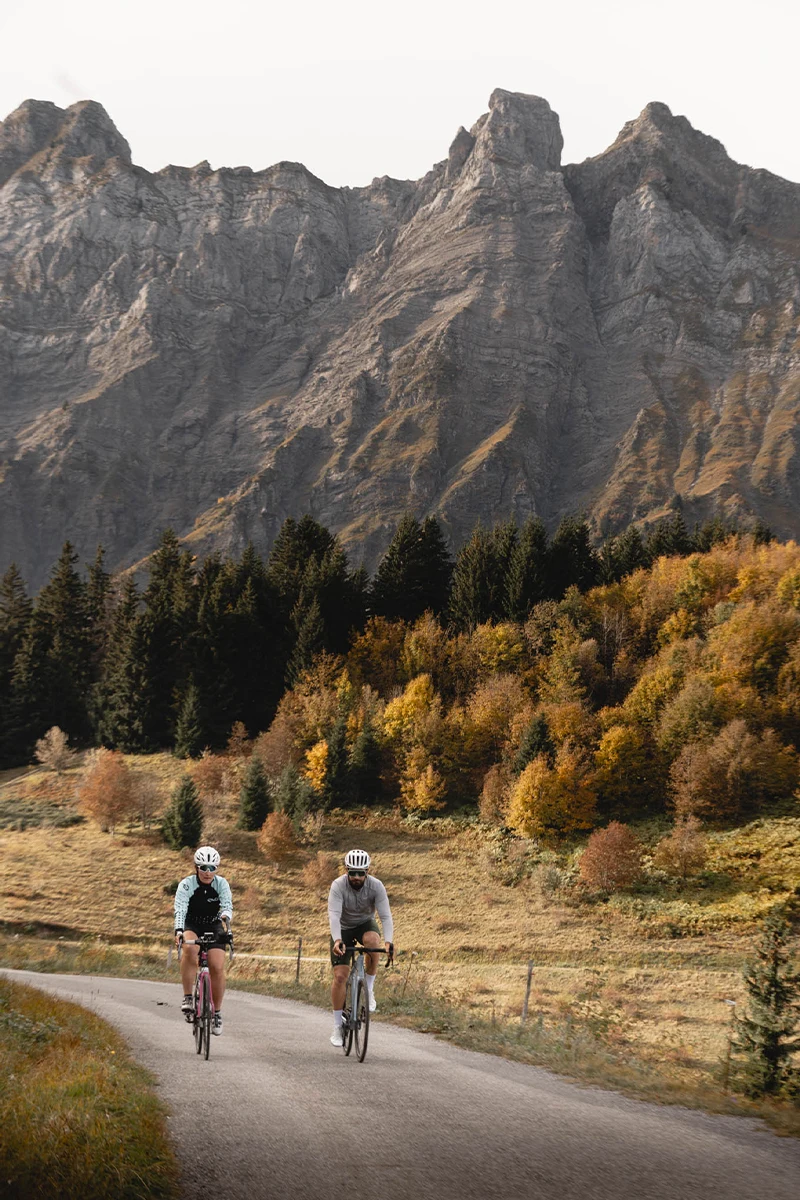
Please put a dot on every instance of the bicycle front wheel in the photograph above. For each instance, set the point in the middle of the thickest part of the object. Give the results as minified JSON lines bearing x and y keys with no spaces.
{"x":362,"y":1021}
{"x":197,"y":1011}
{"x":208,"y":1017}
{"x":347,"y":1018}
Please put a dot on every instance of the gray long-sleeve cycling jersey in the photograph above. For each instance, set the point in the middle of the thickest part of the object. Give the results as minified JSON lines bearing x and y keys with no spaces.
{"x":348,"y":906}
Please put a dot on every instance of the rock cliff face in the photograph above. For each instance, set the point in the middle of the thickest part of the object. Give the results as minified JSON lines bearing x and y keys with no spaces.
{"x":216,"y":350}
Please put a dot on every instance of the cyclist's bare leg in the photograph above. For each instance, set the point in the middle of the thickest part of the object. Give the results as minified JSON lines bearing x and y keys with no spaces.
{"x":339,"y":987}
{"x":371,"y":939}
{"x":216,"y":966}
{"x":188,"y":963}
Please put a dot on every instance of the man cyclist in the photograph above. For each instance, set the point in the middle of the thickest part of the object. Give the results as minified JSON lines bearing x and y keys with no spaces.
{"x":203,"y":903}
{"x":353,"y":900}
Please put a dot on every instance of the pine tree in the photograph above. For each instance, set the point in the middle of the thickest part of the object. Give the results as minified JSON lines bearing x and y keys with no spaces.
{"x":573,"y":562}
{"x":413,"y":576}
{"x":630,"y":551}
{"x":437,"y":568}
{"x":15,"y":616}
{"x":117,"y":697}
{"x":310,"y":640}
{"x":762,"y":534}
{"x":320,"y":600}
{"x":535,"y":740}
{"x":183,"y":821}
{"x":526,"y":581}
{"x":502,"y":547}
{"x":394,"y":590}
{"x":98,"y":595}
{"x":189,"y":733}
{"x":364,"y":766}
{"x":255,"y":801}
{"x":337,"y":790}
{"x":164,"y":634}
{"x":471,"y":593}
{"x":769,"y":1034}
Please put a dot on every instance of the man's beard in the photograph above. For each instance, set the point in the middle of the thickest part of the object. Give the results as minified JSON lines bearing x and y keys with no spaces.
{"x":357,"y":883}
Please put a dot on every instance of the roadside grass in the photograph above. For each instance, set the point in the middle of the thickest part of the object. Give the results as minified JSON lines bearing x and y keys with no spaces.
{"x":78,"y":1118}
{"x":647,"y":972}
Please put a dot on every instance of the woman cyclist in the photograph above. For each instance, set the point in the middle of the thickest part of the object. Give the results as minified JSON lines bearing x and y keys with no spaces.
{"x":203,"y":903}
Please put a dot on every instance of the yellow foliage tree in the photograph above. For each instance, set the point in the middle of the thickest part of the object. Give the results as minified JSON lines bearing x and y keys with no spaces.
{"x":498,"y":648}
{"x":404,"y":715}
{"x":494,"y":710}
{"x":627,"y":774}
{"x":375,"y":655}
{"x":753,"y":643}
{"x":551,"y":802}
{"x":571,"y":722}
{"x":315,"y":768}
{"x":421,"y":786}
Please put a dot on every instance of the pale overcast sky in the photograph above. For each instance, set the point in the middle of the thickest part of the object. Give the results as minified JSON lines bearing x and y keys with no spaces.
{"x":359,"y":89}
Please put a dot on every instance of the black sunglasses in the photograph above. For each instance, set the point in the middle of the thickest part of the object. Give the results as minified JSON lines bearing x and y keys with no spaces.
{"x":211,"y":869}
{"x":357,"y":874}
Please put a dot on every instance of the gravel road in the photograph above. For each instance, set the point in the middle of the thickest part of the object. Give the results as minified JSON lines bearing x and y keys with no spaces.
{"x":278,"y":1112}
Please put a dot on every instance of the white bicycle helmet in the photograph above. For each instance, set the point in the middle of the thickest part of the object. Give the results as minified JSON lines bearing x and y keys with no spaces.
{"x":206,"y":857}
{"x":357,"y":859}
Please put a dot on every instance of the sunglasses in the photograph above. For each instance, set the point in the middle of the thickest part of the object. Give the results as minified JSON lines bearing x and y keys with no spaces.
{"x":356,"y":874}
{"x":211,"y":870}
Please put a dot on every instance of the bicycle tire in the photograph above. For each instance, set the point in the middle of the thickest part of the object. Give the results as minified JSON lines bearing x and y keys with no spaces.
{"x":208,"y":1017}
{"x":347,"y":1019}
{"x":197,"y":1021}
{"x":362,"y":1021}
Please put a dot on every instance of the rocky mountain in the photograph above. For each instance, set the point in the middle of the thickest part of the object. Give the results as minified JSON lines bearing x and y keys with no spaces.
{"x":216,"y":350}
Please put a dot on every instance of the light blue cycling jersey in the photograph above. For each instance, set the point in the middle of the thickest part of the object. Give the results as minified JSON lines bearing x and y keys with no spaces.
{"x":186,"y":890}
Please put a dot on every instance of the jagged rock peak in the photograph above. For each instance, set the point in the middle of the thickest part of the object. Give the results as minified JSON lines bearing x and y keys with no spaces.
{"x":84,"y":130}
{"x":25,"y":132}
{"x":88,"y":131}
{"x":520,"y":129}
{"x":657,"y":122}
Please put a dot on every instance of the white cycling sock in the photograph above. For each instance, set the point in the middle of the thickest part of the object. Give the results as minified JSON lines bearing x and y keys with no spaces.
{"x":337,"y":1018}
{"x":370,"y":983}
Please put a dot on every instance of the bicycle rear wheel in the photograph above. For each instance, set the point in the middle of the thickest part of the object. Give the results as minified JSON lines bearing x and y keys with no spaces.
{"x":347,"y":1018}
{"x":197,"y":1010}
{"x":208,"y":1017}
{"x":362,"y":1021}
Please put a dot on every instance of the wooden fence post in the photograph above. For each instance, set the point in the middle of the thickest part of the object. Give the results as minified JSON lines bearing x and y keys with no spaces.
{"x":524,"y":1016}
{"x":299,"y":952}
{"x":727,"y":1071}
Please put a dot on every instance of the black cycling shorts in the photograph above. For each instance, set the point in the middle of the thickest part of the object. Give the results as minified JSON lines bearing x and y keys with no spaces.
{"x":350,"y":937}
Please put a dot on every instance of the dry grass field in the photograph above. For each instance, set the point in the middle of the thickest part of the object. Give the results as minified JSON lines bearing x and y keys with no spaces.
{"x":647,"y":972}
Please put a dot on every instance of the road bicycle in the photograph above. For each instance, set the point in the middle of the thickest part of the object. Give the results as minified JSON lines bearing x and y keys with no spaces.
{"x":355,"y":1014}
{"x":201,"y":1018}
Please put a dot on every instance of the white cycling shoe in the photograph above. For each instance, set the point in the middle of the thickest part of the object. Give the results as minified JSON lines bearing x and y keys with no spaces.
{"x":337,"y":1037}
{"x":373,"y":1003}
